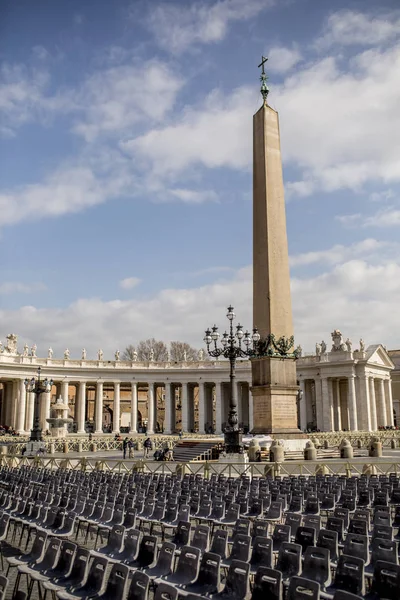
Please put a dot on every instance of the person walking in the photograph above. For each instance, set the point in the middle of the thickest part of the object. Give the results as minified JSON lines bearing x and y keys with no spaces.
{"x":125,"y":446}
{"x":146,"y":447}
{"x":130,"y":448}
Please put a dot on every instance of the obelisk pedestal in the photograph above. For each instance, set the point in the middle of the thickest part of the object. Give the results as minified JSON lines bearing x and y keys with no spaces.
{"x":274,"y":385}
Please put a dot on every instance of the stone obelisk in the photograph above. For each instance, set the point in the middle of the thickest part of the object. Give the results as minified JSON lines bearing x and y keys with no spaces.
{"x":274,"y":386}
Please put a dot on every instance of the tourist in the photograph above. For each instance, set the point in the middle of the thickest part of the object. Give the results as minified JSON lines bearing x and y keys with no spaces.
{"x":124,"y":446}
{"x":147,"y":447}
{"x":130,"y":448}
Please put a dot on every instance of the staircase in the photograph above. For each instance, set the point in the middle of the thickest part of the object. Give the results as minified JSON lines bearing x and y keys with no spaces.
{"x":189,"y":450}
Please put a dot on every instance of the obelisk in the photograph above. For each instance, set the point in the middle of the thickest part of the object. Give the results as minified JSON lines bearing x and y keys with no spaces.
{"x":274,"y":385}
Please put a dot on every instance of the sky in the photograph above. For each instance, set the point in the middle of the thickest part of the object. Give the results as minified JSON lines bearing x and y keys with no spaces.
{"x":126,"y":167}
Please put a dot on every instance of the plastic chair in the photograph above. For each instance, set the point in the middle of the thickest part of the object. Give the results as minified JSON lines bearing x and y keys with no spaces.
{"x":385,"y":582}
{"x":237,"y":582}
{"x":48,"y":561}
{"x":301,"y":588}
{"x":240,"y":550}
{"x":139,"y":587}
{"x":261,"y":555}
{"x":164,"y":564}
{"x":312,"y":521}
{"x":358,"y":526}
{"x":3,"y":586}
{"x":93,"y":584}
{"x":316,"y":566}
{"x":289,"y":560}
{"x":305,"y":536}
{"x":329,"y":540}
{"x":132,"y":541}
{"x":114,"y":544}
{"x":336,"y":524}
{"x":182,"y":534}
{"x":115,"y":589}
{"x":280,"y":534}
{"x":267,"y":584}
{"x":384,"y":532}
{"x":187,"y":567}
{"x":146,"y":555}
{"x":384,"y":550}
{"x":201,"y":538}
{"x":349,"y":577}
{"x":208,"y":581}
{"x":312,"y":506}
{"x":274,"y":512}
{"x":294,"y":520}
{"x":165,"y":591}
{"x":357,"y":545}
{"x":36,"y":553}
{"x":219,"y":544}
{"x":75,"y":577}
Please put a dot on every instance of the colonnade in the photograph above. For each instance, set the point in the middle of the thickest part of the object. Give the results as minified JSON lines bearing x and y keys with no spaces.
{"x":211,"y":399}
{"x":351,"y":403}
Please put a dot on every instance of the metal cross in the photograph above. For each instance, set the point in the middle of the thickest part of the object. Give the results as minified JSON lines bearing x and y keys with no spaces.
{"x":262,"y":63}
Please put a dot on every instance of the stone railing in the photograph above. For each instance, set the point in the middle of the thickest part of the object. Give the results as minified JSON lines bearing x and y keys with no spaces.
{"x":364,"y":438}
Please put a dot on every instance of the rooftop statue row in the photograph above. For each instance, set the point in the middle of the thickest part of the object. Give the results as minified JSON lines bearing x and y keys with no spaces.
{"x":338,"y":344}
{"x":11,"y":348}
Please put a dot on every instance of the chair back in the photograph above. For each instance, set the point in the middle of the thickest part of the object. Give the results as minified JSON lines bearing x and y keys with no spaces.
{"x":261,"y":555}
{"x":267,"y":584}
{"x":350,"y":575}
{"x":289,"y":559}
{"x":139,"y":588}
{"x":182,"y":534}
{"x":237,"y":581}
{"x":386,"y":580}
{"x":117,"y":581}
{"x":209,"y":573}
{"x":241,"y":548}
{"x":166,"y":591}
{"x":317,"y":566}
{"x":66,"y":557}
{"x":201,"y":538}
{"x":219,"y":543}
{"x":188,"y":564}
{"x":303,"y":589}
{"x":147,"y":551}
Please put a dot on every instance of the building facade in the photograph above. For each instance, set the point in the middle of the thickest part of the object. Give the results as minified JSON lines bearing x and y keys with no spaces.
{"x":339,"y":390}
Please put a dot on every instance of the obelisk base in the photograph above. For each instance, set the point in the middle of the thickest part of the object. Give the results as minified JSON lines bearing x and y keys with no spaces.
{"x":275,"y":393}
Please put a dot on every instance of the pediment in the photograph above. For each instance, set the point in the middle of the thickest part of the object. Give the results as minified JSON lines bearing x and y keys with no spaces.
{"x":377,"y":355}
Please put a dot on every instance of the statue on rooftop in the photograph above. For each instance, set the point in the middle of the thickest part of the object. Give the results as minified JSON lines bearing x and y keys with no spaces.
{"x":33,"y":350}
{"x":26,"y":350}
{"x":348,"y":343}
{"x":318,"y":349}
{"x":100,"y":354}
{"x":50,"y":352}
{"x":83,"y":353}
{"x":338,"y":344}
{"x":117,"y":353}
{"x":323,"y":347}
{"x":151,"y":358}
{"x":66,"y":354}
{"x":362,"y":345}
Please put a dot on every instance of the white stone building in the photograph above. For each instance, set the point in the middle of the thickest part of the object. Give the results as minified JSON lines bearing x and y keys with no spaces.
{"x":340,"y":390}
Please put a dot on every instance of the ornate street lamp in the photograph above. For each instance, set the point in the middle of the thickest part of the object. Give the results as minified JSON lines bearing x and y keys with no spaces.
{"x":235,"y":344}
{"x":37,"y":387}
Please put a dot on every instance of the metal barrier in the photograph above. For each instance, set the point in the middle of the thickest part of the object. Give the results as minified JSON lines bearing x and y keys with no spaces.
{"x":207,"y":468}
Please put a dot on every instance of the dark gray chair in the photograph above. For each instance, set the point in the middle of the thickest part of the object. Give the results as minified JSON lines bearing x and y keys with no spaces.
{"x":349,"y":577}
{"x":164,"y":564}
{"x":165,"y":591}
{"x":208,"y":581}
{"x":301,"y":588}
{"x":261,"y":555}
{"x":385,"y":582}
{"x":317,"y":566}
{"x":267,"y":584}
{"x":116,"y":584}
{"x":139,"y":587}
{"x":114,"y":544}
{"x":187,"y":568}
{"x":219,"y":544}
{"x":289,"y":560}
{"x":74,"y":578}
{"x":237,"y":582}
{"x":93,"y":584}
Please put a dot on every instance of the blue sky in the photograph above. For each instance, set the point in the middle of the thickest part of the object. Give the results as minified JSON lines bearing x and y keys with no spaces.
{"x":126,"y":155}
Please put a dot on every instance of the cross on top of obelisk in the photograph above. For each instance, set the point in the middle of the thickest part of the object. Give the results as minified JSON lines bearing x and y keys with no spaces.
{"x":263,"y":78}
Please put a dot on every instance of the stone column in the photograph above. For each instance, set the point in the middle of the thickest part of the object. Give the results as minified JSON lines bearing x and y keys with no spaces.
{"x":218,"y":407}
{"x":319,"y":403}
{"x":351,"y":403}
{"x":7,"y":402}
{"x":201,"y":407}
{"x":150,"y":408}
{"x":389,"y":403}
{"x":364,"y":405}
{"x":21,"y":408}
{"x":81,"y":410}
{"x":251,"y":411}
{"x":133,"y":428}
{"x":14,"y":403}
{"x":30,"y":408}
{"x":117,"y":407}
{"x":326,"y":411}
{"x":168,"y":409}
{"x":372,"y":403}
{"x":99,"y":408}
{"x":338,"y":405}
{"x":382,"y":420}
{"x":331,"y":405}
{"x":185,"y":406}
{"x":303,"y":405}
{"x":44,"y":404}
{"x":64,"y":396}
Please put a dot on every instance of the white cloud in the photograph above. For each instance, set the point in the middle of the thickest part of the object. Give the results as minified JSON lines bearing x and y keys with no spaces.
{"x":339,"y":253}
{"x":387,"y":217}
{"x":281,"y":59}
{"x":115,"y":99}
{"x":129,"y":283}
{"x":217,"y":134}
{"x":178,"y":26}
{"x":194,"y":196}
{"x":349,"y":27}
{"x":18,"y":287}
{"x":356,"y":296}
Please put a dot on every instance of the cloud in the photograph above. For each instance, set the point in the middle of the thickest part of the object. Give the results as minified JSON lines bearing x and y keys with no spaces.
{"x":349,"y":27}
{"x":216,"y":134}
{"x":18,"y":287}
{"x":339,"y":253}
{"x":281,"y":59}
{"x":356,"y":296}
{"x":129,"y":283}
{"x":387,"y":217}
{"x":115,"y":99}
{"x":194,"y":196}
{"x":178,"y":26}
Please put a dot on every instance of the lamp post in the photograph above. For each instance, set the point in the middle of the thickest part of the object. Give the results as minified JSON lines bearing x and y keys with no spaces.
{"x":37,"y":387}
{"x":232,"y":349}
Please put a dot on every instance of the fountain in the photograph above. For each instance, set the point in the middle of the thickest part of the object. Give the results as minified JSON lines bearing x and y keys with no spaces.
{"x":59,"y":418}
